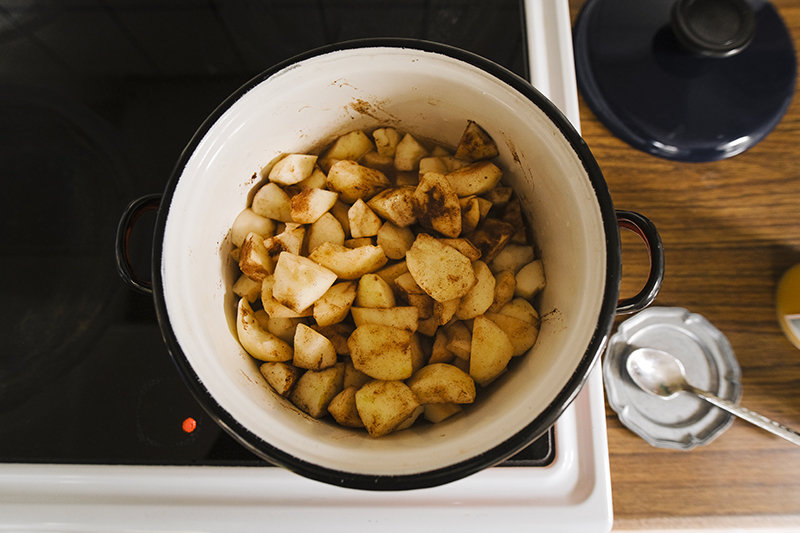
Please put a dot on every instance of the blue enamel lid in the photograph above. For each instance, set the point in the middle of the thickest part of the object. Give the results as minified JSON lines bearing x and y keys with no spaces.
{"x":653,"y":75}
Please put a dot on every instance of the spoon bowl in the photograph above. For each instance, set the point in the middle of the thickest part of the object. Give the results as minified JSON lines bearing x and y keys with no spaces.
{"x":657,"y":372}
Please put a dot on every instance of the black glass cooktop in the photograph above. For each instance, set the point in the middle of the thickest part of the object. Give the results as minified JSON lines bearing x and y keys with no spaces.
{"x":97,"y":100}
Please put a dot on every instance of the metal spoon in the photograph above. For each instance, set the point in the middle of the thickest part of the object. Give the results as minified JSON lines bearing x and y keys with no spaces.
{"x":661,"y":374}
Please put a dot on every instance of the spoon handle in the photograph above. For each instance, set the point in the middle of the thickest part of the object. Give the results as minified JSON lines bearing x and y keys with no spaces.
{"x":754,"y":418}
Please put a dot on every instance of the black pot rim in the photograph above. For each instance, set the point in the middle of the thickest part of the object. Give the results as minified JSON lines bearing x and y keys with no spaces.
{"x":514,"y":443}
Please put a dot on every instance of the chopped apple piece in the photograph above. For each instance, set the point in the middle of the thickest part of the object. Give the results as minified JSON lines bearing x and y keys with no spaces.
{"x":350,"y":146}
{"x":412,"y":294}
{"x":338,"y":334}
{"x":343,"y":408}
{"x":310,"y":204}
{"x":384,"y":405}
{"x":299,"y":282}
{"x":445,"y":311}
{"x":312,"y":350}
{"x":490,"y":237}
{"x":247,"y":288}
{"x":292,"y":169}
{"x":317,"y":180}
{"x":374,"y":160}
{"x":363,"y":221}
{"x":395,"y":205}
{"x":382,"y":352}
{"x":459,"y":339}
{"x":470,"y":213}
{"x":333,"y":306}
{"x":499,"y":196}
{"x":480,"y":297}
{"x":259,"y":343}
{"x":315,"y":389}
{"x":442,"y":383}
{"x":280,"y":376}
{"x":273,"y":307}
{"x":272,"y":202}
{"x":354,"y":378}
{"x":522,"y":309}
{"x":289,"y":240}
{"x":432,"y":164}
{"x":465,"y":247}
{"x":476,"y":144}
{"x":439,"y":352}
{"x":408,"y":422}
{"x":249,"y":222}
{"x":437,"y":412}
{"x":325,"y":229}
{"x":359,"y":242}
{"x":400,"y":317}
{"x":442,"y":271}
{"x":353,"y":181}
{"x":408,"y":153}
{"x":349,"y":263}
{"x":391,"y":272}
{"x":477,"y":178}
{"x":386,"y":140}
{"x":254,"y":259}
{"x":339,"y":211}
{"x":283,"y":327}
{"x":437,"y":205}
{"x":512,"y":257}
{"x":521,"y":334}
{"x":394,"y":240}
{"x":491,"y":351}
{"x":530,"y":280}
{"x":373,"y":291}
{"x":505,"y":285}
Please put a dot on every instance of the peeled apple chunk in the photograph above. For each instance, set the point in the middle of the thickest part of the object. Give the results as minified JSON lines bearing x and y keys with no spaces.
{"x":314,"y":390}
{"x":437,"y":205}
{"x":476,"y":144}
{"x":530,"y":280}
{"x":384,"y":405}
{"x":349,"y":263}
{"x":476,"y":178}
{"x":312,"y":350}
{"x":491,"y":351}
{"x":480,"y":297}
{"x":343,"y":408}
{"x":259,"y":343}
{"x":442,"y":383}
{"x":248,"y":222}
{"x":310,"y":204}
{"x":440,"y":270}
{"x":292,"y":169}
{"x":521,"y":334}
{"x":280,"y":376}
{"x":299,"y":282}
{"x":353,"y":181}
{"x":382,"y":352}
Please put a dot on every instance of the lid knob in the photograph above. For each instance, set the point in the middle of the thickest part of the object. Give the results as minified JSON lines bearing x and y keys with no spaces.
{"x":715,"y":28}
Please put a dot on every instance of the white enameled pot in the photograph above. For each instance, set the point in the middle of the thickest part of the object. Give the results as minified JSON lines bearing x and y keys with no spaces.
{"x":431,"y":91}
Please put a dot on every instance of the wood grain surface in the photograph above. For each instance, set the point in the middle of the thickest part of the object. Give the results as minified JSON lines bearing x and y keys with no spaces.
{"x":730,"y":229}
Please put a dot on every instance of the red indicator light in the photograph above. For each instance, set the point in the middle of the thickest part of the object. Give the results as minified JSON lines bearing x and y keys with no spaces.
{"x":189,"y":425}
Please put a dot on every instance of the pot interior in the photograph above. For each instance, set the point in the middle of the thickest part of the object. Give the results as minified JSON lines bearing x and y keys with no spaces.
{"x":432,"y":96}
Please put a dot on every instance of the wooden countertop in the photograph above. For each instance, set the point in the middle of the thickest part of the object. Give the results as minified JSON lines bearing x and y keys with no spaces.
{"x":730,"y":229}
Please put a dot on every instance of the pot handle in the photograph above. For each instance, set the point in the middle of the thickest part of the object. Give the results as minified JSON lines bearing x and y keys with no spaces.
{"x":129,"y":217}
{"x":645,"y":229}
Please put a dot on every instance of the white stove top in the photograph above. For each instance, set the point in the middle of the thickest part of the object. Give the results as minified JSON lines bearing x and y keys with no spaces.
{"x":571,"y":494}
